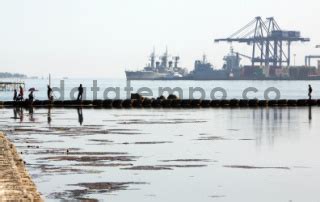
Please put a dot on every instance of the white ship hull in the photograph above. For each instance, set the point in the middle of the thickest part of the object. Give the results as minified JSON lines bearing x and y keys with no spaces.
{"x":147,"y":75}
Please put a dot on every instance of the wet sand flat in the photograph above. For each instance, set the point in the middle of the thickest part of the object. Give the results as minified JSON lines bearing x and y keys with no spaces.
{"x":170,"y":155}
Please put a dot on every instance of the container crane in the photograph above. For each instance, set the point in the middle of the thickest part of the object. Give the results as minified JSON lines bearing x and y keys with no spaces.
{"x":268,"y":42}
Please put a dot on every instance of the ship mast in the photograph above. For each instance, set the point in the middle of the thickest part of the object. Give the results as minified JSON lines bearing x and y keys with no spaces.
{"x":164,"y":59}
{"x":153,"y":58}
{"x":204,"y":59}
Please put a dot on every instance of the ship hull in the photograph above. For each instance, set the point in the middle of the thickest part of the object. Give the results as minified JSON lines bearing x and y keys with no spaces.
{"x":214,"y":76}
{"x":154,"y":76}
{"x":143,"y":75}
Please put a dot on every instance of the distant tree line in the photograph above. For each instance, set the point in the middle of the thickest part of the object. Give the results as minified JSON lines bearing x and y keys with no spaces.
{"x":12,"y":75}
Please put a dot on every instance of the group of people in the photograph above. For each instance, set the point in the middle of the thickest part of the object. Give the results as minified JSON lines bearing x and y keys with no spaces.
{"x":20,"y":96}
{"x":16,"y":96}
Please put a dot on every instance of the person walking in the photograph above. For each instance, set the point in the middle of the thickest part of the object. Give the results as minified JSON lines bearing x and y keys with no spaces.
{"x":310,"y":92}
{"x":80,"y":92}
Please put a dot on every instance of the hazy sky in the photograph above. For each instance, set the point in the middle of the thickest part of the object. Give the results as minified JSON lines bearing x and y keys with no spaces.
{"x":102,"y":38}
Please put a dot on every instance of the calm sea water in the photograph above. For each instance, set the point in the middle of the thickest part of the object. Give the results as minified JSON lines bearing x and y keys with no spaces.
{"x":234,"y":89}
{"x":268,"y":154}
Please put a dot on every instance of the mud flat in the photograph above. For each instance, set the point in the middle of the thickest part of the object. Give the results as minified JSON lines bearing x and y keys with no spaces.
{"x":15,"y":181}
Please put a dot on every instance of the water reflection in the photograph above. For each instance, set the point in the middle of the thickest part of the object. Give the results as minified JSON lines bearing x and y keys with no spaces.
{"x":31,"y":112}
{"x":281,"y":148}
{"x":18,"y":114}
{"x":310,"y":113}
{"x":15,"y":113}
{"x":269,"y":123}
{"x":49,"y":119}
{"x":80,"y":116}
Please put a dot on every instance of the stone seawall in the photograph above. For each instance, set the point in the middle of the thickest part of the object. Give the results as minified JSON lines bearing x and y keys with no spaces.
{"x":162,"y":103}
{"x":15,"y":181}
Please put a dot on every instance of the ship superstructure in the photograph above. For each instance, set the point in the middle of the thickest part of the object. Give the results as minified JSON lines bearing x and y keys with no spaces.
{"x":203,"y":70}
{"x":159,"y":68}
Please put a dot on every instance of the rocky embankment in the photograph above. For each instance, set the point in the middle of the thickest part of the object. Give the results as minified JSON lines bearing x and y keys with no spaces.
{"x":15,"y":181}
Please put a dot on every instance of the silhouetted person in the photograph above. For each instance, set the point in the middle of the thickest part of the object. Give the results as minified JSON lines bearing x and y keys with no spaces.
{"x":20,"y":96}
{"x":80,"y":92}
{"x":31,"y":97}
{"x":49,"y":93}
{"x":15,"y":95}
{"x":80,"y":116}
{"x":310,"y":92}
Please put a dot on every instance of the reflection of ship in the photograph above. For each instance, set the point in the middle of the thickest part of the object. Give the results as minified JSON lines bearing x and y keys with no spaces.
{"x":165,"y":69}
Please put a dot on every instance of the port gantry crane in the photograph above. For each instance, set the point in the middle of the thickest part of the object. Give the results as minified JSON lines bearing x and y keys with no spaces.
{"x":308,"y":58}
{"x":271,"y":46}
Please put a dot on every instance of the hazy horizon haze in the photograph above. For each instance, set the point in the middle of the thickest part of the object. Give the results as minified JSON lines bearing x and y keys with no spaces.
{"x":81,"y":38}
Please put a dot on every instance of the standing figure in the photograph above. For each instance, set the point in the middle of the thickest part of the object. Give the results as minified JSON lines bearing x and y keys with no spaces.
{"x":49,"y":93}
{"x":20,"y":96}
{"x":15,"y":95}
{"x":31,"y":97}
{"x":80,"y":92}
{"x":310,"y":92}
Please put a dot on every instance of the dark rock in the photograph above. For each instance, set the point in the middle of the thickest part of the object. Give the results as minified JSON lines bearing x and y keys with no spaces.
{"x":282,"y":102}
{"x":107,"y":103}
{"x":253,"y":103}
{"x":157,"y":103}
{"x":292,"y":103}
{"x":195,"y":103}
{"x":272,"y":103}
{"x":172,"y":97}
{"x":127,"y":103}
{"x":215,"y":103}
{"x":234,"y":103}
{"x":117,"y":104}
{"x":206,"y":103}
{"x":244,"y":103}
{"x":263,"y":103}
{"x":136,"y":96}
{"x":161,"y":97}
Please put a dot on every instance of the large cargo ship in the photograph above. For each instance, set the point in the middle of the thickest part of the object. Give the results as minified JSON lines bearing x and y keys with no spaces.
{"x":166,"y":69}
{"x":203,"y":70}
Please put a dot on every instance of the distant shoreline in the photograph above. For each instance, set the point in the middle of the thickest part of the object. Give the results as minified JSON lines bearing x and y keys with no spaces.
{"x":7,"y":75}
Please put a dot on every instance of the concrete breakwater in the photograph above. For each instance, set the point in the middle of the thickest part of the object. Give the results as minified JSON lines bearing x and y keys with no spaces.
{"x":15,"y":182}
{"x":163,"y":103}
